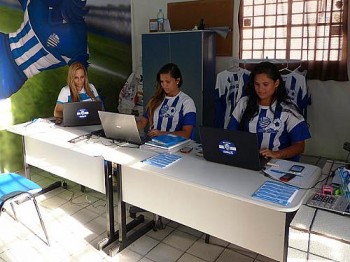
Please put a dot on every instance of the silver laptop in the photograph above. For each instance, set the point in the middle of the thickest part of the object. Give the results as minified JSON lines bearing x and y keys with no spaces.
{"x":229,"y":147}
{"x":81,"y":113}
{"x":120,"y":127}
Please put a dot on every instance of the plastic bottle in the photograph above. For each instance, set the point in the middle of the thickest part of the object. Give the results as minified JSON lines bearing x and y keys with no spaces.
{"x":160,"y":20}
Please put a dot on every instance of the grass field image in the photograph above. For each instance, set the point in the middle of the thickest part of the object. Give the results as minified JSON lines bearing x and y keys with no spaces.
{"x":109,"y":66}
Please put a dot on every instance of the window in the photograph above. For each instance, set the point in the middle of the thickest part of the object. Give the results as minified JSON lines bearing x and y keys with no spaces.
{"x":314,"y":31}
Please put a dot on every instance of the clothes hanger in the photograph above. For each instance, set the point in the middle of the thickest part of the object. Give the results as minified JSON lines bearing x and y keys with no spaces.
{"x":286,"y":69}
{"x":235,"y":66}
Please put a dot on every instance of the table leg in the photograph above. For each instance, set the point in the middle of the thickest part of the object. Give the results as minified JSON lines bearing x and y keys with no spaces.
{"x":120,"y":237}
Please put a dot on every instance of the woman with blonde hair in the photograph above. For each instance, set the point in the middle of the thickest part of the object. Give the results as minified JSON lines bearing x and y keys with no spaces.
{"x":78,"y":89}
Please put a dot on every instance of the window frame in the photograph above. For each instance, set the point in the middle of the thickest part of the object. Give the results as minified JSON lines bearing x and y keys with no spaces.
{"x":323,"y":69}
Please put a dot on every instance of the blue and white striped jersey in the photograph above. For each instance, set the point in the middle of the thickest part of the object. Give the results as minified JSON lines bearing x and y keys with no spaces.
{"x":275,"y":130}
{"x":41,"y":44}
{"x":174,"y":113}
{"x":65,"y":97}
{"x":52,"y":34}
{"x":229,"y":88}
{"x":297,"y":90}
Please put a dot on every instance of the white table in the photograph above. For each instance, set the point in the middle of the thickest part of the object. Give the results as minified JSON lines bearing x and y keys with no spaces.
{"x":213,"y":198}
{"x":47,"y":147}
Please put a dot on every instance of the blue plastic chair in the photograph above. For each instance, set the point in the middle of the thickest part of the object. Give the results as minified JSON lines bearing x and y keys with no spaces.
{"x":14,"y":187}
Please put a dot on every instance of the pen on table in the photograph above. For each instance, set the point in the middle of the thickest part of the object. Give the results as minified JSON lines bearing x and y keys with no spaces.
{"x":31,"y":122}
{"x":281,"y":172}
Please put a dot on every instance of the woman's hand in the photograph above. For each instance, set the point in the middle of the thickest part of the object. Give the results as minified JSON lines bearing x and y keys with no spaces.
{"x":289,"y":152}
{"x":267,"y":153}
{"x":155,"y":132}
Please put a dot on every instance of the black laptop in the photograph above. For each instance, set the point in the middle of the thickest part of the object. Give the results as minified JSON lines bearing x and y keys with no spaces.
{"x":120,"y":127}
{"x":81,"y":113}
{"x":229,"y":147}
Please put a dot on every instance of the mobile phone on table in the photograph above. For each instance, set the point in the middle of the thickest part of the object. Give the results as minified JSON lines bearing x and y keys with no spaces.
{"x":296,"y":169}
{"x":286,"y":177}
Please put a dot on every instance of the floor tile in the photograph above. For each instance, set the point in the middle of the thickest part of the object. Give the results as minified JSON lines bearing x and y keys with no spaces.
{"x":89,"y":254}
{"x":53,"y":202}
{"x":125,"y":256}
{"x":180,"y":240}
{"x":189,"y":230}
{"x":216,"y":241}
{"x":97,"y":225}
{"x":145,"y":259}
{"x":208,"y":252}
{"x":143,"y":245}
{"x":160,"y":234}
{"x":242,"y":250}
{"x":190,"y":258}
{"x":164,"y":253}
{"x":262,"y":258}
{"x":228,"y":256}
{"x":84,"y":216}
{"x":98,"y":207}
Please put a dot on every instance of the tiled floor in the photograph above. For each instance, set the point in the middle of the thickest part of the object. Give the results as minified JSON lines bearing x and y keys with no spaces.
{"x":76,"y":221}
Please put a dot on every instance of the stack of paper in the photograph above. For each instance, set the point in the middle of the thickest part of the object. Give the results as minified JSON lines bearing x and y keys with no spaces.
{"x":277,"y":193}
{"x":168,"y":143}
{"x":162,"y":160}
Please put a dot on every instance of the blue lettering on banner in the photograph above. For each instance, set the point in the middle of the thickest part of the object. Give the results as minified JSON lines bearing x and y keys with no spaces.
{"x":82,"y":113}
{"x":227,"y":148}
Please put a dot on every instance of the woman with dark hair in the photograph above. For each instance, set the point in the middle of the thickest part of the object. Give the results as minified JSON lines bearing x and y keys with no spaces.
{"x":169,"y":110}
{"x":270,"y":113}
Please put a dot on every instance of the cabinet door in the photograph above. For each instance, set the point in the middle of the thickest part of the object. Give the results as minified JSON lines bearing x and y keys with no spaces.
{"x":186,"y":51}
{"x":155,"y":54}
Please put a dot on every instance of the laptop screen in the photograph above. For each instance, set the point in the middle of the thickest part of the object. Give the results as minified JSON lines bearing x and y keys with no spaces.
{"x":120,"y":127}
{"x":229,"y":147}
{"x":81,"y":113}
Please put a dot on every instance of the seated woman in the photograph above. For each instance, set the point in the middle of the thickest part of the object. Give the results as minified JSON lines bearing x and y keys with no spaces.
{"x":169,"y":110}
{"x":78,"y":89}
{"x":270,"y":113}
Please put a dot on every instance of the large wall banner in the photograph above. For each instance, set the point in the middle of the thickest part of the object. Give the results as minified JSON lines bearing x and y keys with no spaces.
{"x":39,"y":39}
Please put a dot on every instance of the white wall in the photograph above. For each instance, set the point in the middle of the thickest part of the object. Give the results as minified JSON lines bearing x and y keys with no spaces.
{"x":329,"y":114}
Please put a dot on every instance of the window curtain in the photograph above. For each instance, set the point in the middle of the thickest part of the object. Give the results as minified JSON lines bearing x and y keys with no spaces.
{"x":329,"y":69}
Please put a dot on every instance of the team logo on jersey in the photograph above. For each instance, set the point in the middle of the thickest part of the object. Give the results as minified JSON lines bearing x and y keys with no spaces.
{"x":267,"y":125}
{"x":227,"y":148}
{"x":82,"y":113}
{"x":167,"y":111}
{"x":53,"y":40}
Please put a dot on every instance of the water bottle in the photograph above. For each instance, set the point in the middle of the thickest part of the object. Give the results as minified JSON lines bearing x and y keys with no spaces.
{"x":160,"y":20}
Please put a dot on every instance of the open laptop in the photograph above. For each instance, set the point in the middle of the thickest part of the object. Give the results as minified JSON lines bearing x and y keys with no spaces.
{"x":120,"y":127}
{"x":81,"y":113}
{"x":229,"y":147}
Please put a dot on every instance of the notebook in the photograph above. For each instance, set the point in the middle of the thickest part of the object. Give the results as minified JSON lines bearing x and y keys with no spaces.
{"x":81,"y":113}
{"x":120,"y":127}
{"x":229,"y":147}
